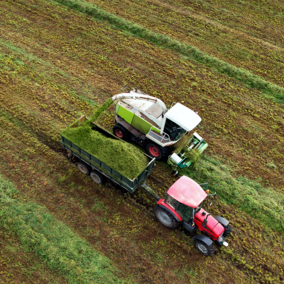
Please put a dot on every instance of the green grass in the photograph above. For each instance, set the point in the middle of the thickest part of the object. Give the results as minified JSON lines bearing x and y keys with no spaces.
{"x":260,"y":202}
{"x":271,"y":90}
{"x":52,"y":241}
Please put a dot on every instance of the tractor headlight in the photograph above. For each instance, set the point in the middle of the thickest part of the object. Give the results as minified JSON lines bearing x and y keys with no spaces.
{"x":222,"y":241}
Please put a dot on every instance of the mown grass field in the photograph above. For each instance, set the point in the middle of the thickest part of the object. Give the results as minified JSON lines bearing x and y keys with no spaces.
{"x":61,"y":59}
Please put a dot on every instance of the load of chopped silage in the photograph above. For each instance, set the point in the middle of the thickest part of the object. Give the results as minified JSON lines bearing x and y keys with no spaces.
{"x":119,"y":155}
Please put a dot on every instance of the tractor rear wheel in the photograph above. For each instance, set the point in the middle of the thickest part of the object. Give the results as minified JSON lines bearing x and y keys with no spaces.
{"x":84,"y":168}
{"x":155,"y":151}
{"x":165,"y":218}
{"x":227,"y":231}
{"x":203,"y":248}
{"x":97,"y":177}
{"x":120,"y":132}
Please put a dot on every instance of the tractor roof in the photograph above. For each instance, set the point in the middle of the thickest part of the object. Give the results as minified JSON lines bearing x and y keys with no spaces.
{"x":183,"y":116}
{"x":187,"y":191}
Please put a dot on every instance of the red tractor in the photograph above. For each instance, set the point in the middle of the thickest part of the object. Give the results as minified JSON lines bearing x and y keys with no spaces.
{"x":183,"y":205}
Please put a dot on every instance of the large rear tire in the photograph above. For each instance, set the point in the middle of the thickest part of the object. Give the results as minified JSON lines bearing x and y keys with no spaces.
{"x":165,"y":218}
{"x":120,"y":132}
{"x":84,"y":168}
{"x":97,"y":177}
{"x":203,"y":248}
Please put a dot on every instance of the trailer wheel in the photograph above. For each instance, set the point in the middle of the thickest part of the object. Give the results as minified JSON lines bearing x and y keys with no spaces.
{"x":154,"y":151}
{"x":203,"y":248}
{"x":97,"y":177}
{"x":227,"y":231}
{"x":165,"y":218}
{"x":84,"y":168}
{"x":120,"y":132}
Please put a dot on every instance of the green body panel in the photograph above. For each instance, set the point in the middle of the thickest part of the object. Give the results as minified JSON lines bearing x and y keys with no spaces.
{"x":136,"y":121}
{"x":141,"y":124}
{"x":126,"y":114}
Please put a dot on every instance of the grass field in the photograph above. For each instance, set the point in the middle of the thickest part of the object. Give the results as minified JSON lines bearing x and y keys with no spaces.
{"x":61,"y":59}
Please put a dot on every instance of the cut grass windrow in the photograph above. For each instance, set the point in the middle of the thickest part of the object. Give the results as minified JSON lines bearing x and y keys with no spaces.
{"x":262,"y":203}
{"x":53,"y":241}
{"x":271,"y":90}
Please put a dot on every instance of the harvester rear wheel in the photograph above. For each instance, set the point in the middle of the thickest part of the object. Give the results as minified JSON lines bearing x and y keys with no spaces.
{"x":204,"y":248}
{"x":120,"y":132}
{"x":165,"y":218}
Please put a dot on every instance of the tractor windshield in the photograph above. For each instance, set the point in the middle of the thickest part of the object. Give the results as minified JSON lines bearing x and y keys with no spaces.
{"x":184,"y":210}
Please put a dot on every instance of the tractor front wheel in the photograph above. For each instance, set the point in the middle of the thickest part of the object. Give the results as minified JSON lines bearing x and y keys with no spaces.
{"x":203,"y":248}
{"x":165,"y":218}
{"x":227,"y":231}
{"x":120,"y":132}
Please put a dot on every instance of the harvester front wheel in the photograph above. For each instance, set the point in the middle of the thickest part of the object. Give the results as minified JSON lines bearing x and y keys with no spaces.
{"x":204,"y":248}
{"x":165,"y":218}
{"x":154,"y":151}
{"x":120,"y":132}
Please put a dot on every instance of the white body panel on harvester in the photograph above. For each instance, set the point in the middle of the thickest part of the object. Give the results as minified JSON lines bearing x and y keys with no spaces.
{"x":183,"y":116}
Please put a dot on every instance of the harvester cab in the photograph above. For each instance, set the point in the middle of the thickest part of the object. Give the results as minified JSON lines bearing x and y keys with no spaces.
{"x":183,"y":206}
{"x":146,"y":120}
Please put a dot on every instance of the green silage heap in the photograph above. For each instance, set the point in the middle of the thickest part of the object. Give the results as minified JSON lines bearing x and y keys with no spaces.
{"x":121,"y":156}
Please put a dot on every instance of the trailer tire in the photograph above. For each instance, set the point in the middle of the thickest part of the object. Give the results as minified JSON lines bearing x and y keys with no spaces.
{"x":165,"y":218}
{"x":84,"y":168}
{"x":120,"y":132}
{"x":205,"y":249}
{"x":97,"y":177}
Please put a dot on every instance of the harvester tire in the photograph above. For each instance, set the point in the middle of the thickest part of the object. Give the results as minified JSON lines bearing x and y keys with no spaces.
{"x":84,"y":168}
{"x":227,"y":231}
{"x":154,"y":151}
{"x":204,"y":248}
{"x":120,"y":132}
{"x":97,"y":177}
{"x":165,"y":218}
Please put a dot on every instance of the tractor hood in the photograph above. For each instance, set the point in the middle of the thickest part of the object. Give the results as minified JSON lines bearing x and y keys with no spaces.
{"x":212,"y":225}
{"x":183,"y":116}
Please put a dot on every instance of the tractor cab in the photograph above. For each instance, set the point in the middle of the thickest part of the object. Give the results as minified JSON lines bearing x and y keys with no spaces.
{"x":183,"y":205}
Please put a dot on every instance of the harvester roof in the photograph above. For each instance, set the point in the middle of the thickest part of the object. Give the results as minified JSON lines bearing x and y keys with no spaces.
{"x":183,"y":116}
{"x":187,"y":191}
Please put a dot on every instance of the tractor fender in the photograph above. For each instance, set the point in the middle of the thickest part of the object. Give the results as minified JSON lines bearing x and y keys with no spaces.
{"x":222,"y":221}
{"x":170,"y":211}
{"x":204,"y":239}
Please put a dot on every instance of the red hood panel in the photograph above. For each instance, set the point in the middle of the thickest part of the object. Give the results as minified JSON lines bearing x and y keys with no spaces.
{"x":212,"y":224}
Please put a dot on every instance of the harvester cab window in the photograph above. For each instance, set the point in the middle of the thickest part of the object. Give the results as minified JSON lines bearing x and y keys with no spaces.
{"x":173,"y":130}
{"x":171,"y":202}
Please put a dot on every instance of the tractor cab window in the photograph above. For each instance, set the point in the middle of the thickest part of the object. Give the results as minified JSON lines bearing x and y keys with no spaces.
{"x":185,"y":211}
{"x":171,"y":202}
{"x":173,"y":130}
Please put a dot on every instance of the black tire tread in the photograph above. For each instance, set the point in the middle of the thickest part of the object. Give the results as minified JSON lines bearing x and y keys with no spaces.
{"x":175,"y":222}
{"x":211,"y":248}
